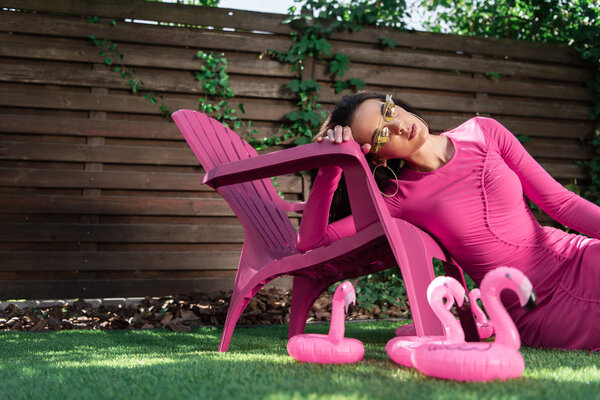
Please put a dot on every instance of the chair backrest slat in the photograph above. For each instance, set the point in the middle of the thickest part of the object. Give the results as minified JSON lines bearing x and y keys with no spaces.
{"x":255,"y":203}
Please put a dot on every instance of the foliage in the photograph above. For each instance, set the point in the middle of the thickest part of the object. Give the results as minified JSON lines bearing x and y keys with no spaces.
{"x":384,"y":289}
{"x":572,"y":22}
{"x":354,"y":14}
{"x":214,"y":81}
{"x":388,"y":43}
{"x":113,"y":58}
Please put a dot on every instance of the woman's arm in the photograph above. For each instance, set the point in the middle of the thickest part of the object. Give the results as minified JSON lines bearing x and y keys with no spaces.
{"x":314,"y":230}
{"x":559,"y":203}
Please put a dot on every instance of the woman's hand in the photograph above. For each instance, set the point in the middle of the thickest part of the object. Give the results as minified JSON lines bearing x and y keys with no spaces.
{"x":339,"y":135}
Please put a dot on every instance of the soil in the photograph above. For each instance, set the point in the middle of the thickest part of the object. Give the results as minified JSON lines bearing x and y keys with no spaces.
{"x":180,"y":313}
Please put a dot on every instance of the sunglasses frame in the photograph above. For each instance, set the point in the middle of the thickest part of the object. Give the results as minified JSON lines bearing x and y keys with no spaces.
{"x":382,"y":135}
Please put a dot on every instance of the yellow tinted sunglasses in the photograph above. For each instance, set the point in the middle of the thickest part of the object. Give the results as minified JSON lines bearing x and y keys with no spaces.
{"x":382,"y":135}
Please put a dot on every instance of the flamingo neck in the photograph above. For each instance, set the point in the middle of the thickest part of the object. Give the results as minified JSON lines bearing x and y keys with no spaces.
{"x":505,"y":329}
{"x":479,"y":314}
{"x":452,"y":328}
{"x":337,"y":329}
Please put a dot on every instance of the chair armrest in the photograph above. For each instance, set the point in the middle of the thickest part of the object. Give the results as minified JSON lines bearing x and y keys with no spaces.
{"x":282,"y":162}
{"x":365,"y":200}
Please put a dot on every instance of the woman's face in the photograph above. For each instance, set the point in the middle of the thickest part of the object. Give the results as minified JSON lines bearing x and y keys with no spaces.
{"x":407,"y":133}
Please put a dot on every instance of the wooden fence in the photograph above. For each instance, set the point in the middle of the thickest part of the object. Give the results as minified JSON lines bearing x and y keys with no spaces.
{"x":100,"y":196}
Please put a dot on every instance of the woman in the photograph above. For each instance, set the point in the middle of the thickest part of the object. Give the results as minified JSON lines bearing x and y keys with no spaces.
{"x":466,"y":187}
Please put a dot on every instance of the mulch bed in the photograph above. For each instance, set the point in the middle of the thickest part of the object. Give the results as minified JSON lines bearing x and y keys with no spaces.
{"x":180,"y":313}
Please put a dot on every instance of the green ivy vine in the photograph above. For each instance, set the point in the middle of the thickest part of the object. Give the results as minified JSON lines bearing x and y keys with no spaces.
{"x":113,"y":58}
{"x":212,"y":78}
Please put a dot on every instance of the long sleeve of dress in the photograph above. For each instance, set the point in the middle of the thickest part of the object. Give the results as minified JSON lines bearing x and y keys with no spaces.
{"x":559,"y":203}
{"x":314,"y":230}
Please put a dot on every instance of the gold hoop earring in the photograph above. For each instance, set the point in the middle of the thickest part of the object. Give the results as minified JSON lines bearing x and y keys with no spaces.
{"x":395,"y":177}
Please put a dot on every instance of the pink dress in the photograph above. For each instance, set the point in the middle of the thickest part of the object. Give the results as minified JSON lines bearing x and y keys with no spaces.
{"x":474,"y":206}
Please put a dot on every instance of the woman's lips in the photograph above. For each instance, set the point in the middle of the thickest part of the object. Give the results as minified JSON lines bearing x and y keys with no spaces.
{"x":412,"y":132}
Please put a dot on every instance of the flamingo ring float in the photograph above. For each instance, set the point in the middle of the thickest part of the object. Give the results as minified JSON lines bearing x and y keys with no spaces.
{"x":442,"y":288}
{"x":485,"y":328}
{"x":333,"y":348}
{"x":477,"y":361}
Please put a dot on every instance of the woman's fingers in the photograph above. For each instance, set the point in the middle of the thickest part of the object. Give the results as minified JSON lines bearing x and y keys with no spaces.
{"x":346,"y":134}
{"x":338,"y":131}
{"x":366,"y":148}
{"x":336,"y":135}
{"x":330,"y":135}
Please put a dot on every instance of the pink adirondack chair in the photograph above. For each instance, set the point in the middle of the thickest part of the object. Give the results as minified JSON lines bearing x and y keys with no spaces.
{"x":237,"y":173}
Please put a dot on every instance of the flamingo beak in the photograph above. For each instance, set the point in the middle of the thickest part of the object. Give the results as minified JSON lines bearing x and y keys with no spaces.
{"x":465,"y":303}
{"x":526,"y":294}
{"x":532,"y":302}
{"x":350,"y":308}
{"x":349,"y":297}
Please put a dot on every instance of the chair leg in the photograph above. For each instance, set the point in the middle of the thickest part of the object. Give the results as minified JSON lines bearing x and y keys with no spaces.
{"x":416,"y":268}
{"x":238,"y":304}
{"x":304,"y":293}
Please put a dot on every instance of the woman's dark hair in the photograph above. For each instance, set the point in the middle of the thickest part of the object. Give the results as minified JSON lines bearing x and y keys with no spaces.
{"x":342,"y":115}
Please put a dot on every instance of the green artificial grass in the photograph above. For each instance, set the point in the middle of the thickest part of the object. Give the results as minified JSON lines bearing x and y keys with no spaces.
{"x":160,"y":364}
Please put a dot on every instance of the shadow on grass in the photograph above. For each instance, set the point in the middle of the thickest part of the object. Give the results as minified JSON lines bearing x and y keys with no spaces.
{"x":163,"y":364}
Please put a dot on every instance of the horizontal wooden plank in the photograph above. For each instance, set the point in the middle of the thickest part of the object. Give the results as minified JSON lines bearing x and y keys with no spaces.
{"x":110,"y":128}
{"x":171,"y":58}
{"x":501,"y":48}
{"x":407,"y":58}
{"x":118,"y":261}
{"x":108,"y":288}
{"x":565,"y":171}
{"x":51,"y":125}
{"x":106,"y":154}
{"x":546,"y":149}
{"x":158,"y":11}
{"x":180,"y":82}
{"x":122,"y":233}
{"x":77,"y":27}
{"x":424,"y":79}
{"x":256,"y":109}
{"x":249,"y":21}
{"x":106,"y":205}
{"x":90,"y":179}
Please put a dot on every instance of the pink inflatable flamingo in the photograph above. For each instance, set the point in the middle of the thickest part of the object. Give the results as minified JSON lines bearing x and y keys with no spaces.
{"x":485,"y":328}
{"x":483,"y":361}
{"x":333,"y":348}
{"x":401,"y":348}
